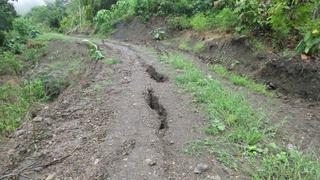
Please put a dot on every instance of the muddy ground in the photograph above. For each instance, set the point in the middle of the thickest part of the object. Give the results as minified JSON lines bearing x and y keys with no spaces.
{"x":129,"y":120}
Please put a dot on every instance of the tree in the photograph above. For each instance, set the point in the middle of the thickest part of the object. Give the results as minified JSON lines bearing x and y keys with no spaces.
{"x":7,"y":15}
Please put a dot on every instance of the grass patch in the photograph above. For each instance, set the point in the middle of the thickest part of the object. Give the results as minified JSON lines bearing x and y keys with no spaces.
{"x":242,"y":81}
{"x":15,"y":101}
{"x":197,"y":47}
{"x":110,"y":61}
{"x":54,"y":36}
{"x":184,"y":45}
{"x":241,"y":137}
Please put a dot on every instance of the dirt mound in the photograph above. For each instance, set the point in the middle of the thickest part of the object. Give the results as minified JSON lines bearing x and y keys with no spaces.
{"x":135,"y":31}
{"x":294,"y":77}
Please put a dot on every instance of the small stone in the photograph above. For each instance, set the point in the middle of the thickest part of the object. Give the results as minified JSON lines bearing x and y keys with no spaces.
{"x":96,"y":161}
{"x":37,"y":119}
{"x":290,"y":147}
{"x":20,"y":132}
{"x":216,"y":177}
{"x":51,"y":176}
{"x":150,"y":162}
{"x":200,"y":168}
{"x":171,"y":142}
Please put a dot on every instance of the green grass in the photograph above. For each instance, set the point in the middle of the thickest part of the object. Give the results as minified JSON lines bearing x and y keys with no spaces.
{"x":240,"y":135}
{"x":196,"y":48}
{"x":184,"y":45}
{"x":9,"y":64}
{"x":242,"y":81}
{"x":110,"y":61}
{"x":16,"y":101}
{"x":54,"y":36}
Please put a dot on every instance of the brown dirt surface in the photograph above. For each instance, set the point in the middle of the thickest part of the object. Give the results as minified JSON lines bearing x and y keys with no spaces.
{"x":109,"y":125}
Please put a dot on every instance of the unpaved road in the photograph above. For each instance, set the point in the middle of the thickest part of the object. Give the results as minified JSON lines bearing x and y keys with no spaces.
{"x":125,"y":121}
{"x":128,"y":121}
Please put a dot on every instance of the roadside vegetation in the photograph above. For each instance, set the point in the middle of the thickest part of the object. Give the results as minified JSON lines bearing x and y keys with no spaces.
{"x":288,"y":24}
{"x":241,"y":80}
{"x":242,"y":138}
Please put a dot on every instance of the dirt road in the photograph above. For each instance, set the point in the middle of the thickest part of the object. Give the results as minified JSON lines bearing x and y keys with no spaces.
{"x":125,"y":121}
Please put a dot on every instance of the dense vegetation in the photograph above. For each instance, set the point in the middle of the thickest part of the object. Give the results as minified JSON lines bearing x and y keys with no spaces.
{"x":291,"y":24}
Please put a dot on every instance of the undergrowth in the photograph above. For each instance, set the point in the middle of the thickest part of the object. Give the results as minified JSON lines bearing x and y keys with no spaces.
{"x":16,"y":100}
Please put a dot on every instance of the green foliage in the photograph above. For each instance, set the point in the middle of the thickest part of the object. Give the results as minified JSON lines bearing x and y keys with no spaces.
{"x":145,"y":8}
{"x":49,"y":15}
{"x":200,"y":22}
{"x":184,"y":45}
{"x":179,"y":22}
{"x":9,"y":65}
{"x":15,"y":101}
{"x":310,"y":43}
{"x":252,"y":14}
{"x":110,"y":61}
{"x":288,"y":165}
{"x":95,"y":53}
{"x":226,"y":19}
{"x":7,"y":15}
{"x":52,"y":86}
{"x":198,"y":47}
{"x":105,"y":19}
{"x":24,"y":29}
{"x":159,"y":34}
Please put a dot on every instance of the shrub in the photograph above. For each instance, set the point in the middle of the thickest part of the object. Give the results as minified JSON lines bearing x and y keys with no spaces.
{"x":226,"y":19}
{"x":252,"y":15}
{"x":15,"y":101}
{"x":200,"y":22}
{"x":310,"y":43}
{"x":7,"y":14}
{"x":105,"y":19}
{"x":9,"y":64}
{"x":179,"y":22}
{"x":145,"y":8}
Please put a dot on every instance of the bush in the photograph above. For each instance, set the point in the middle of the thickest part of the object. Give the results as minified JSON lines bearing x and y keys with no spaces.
{"x":145,"y":8}
{"x":15,"y":101}
{"x":9,"y":64}
{"x":252,"y":15}
{"x":105,"y":19}
{"x":179,"y":22}
{"x":24,"y":29}
{"x":226,"y":19}
{"x":200,"y":22}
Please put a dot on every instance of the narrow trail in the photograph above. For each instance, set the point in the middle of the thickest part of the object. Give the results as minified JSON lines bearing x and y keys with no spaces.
{"x":126,"y":121}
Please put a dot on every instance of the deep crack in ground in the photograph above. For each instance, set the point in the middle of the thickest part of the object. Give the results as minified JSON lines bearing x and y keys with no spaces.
{"x":153,"y":102}
{"x":155,"y":75}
